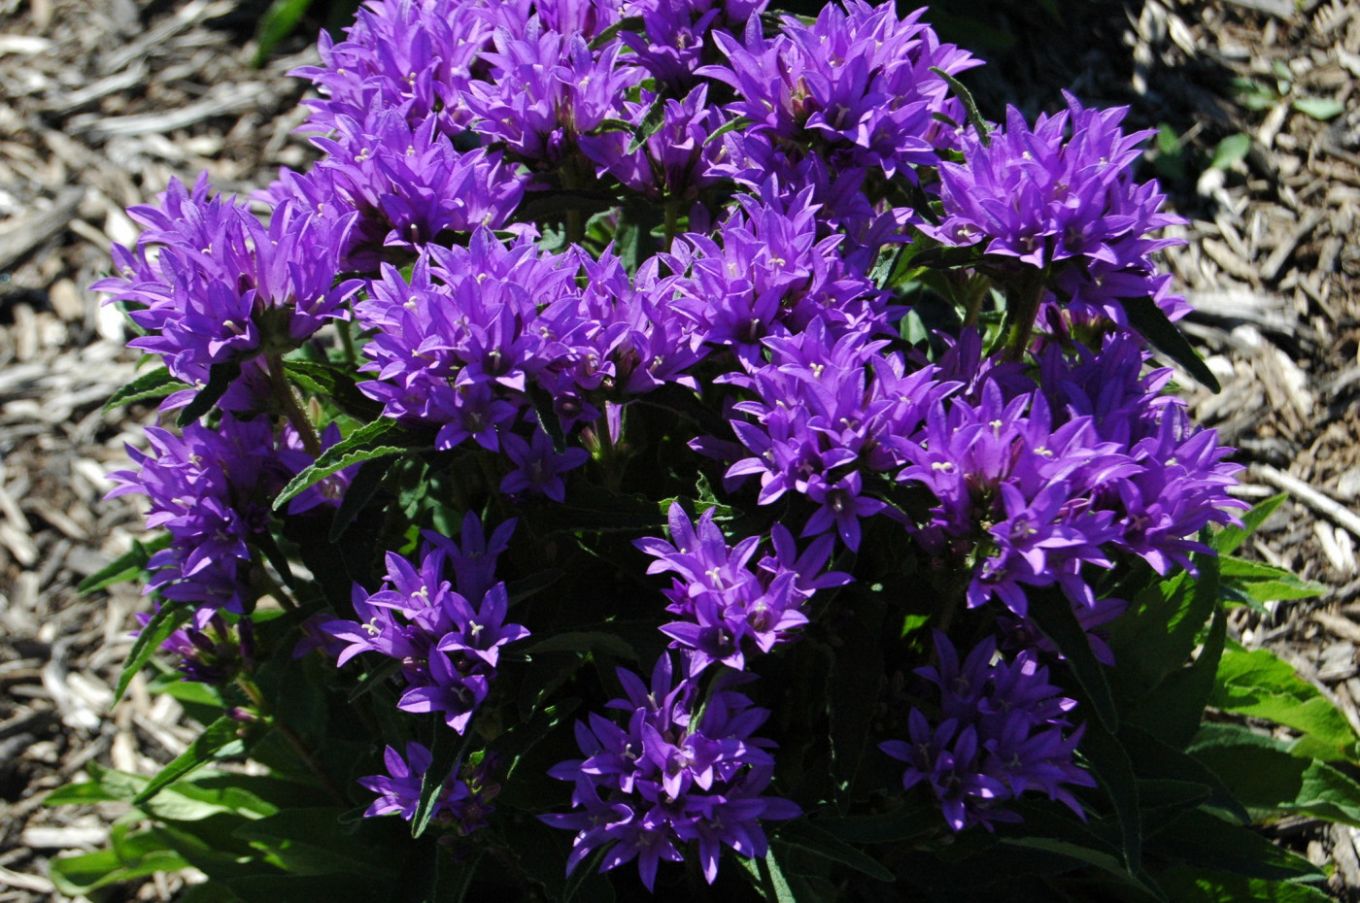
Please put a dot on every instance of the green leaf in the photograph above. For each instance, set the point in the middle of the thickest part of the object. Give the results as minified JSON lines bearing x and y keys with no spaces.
{"x":1230,"y":538}
{"x":366,"y":483}
{"x":163,"y":623}
{"x":1112,"y":766}
{"x":585,"y":641}
{"x":447,"y":754}
{"x":1261,"y":772}
{"x":770,"y":877}
{"x":220,"y":378}
{"x":1053,"y":614}
{"x":1153,"y":757}
{"x":217,"y":740}
{"x":729,"y":126}
{"x":547,"y":417}
{"x":853,"y":691}
{"x":1174,"y":710}
{"x":804,"y":836}
{"x":1201,"y":840}
{"x":156,"y":383}
{"x":333,"y":382}
{"x":889,"y":827}
{"x":631,"y":23}
{"x":141,"y":856}
{"x":1163,"y":335}
{"x":1257,"y":684}
{"x":312,"y":841}
{"x":652,"y":122}
{"x":1158,"y":635}
{"x":277,"y":23}
{"x":128,"y":566}
{"x":379,"y":439}
{"x":984,"y":130}
{"x":1230,"y":150}
{"x":1320,"y":108}
{"x":453,"y":877}
{"x":1196,"y":885}
{"x":554,"y":205}
{"x":1257,"y":583}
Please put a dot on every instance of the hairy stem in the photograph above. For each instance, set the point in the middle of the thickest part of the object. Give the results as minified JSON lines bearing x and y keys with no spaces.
{"x":287,"y":398}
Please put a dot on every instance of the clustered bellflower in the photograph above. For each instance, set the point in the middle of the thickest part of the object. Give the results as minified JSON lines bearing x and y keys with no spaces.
{"x":531,"y":220}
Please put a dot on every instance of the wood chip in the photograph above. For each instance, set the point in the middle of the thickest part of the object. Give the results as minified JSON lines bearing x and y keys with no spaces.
{"x":1318,"y":501}
{"x":19,"y":237}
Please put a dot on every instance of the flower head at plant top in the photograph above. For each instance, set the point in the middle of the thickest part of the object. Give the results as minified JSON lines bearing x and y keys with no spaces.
{"x":1061,"y":196}
{"x":686,"y":769}
{"x":209,"y":283}
{"x":1002,"y":731}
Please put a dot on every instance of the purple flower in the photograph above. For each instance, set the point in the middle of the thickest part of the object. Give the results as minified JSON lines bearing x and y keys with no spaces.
{"x":464,"y":804}
{"x":538,"y":466}
{"x":473,"y":555}
{"x":842,"y":506}
{"x":209,"y":490}
{"x":410,"y":56}
{"x":1061,"y":196}
{"x":674,"y":162}
{"x":858,"y":78}
{"x":726,"y":606}
{"x":671,"y":778}
{"x":210,"y":284}
{"x":1003,"y":731}
{"x":482,"y":633}
{"x":675,"y":35}
{"x":448,"y":650}
{"x":544,"y":89}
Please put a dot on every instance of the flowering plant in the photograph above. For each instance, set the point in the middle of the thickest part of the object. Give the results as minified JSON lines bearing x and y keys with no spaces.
{"x":684,"y":446}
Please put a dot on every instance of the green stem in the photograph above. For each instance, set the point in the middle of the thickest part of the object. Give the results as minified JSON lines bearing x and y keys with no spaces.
{"x":252,"y":691}
{"x":283,"y":391}
{"x":672,"y":217}
{"x":1021,"y":316}
{"x":345,"y":329}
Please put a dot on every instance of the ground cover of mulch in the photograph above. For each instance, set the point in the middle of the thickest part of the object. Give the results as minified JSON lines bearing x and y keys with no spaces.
{"x":101,"y":103}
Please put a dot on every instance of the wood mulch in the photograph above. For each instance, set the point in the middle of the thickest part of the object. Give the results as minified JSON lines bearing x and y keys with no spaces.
{"x":101,"y":103}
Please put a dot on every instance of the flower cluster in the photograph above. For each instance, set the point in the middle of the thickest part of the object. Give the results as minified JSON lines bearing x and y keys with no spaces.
{"x":685,"y":770}
{"x":725,"y":605}
{"x":213,"y":654}
{"x":1003,"y":730}
{"x":1060,"y":197}
{"x":210,"y":284}
{"x":447,"y":647}
{"x":207,"y":489}
{"x":857,"y":83}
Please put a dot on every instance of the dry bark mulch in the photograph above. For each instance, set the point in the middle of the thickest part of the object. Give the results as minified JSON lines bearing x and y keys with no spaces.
{"x":101,"y":103}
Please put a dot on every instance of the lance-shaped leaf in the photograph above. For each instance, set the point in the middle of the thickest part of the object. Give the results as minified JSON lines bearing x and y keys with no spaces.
{"x":156,"y":383}
{"x":220,"y":379}
{"x":1163,"y":335}
{"x":379,"y":439}
{"x":163,"y":623}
